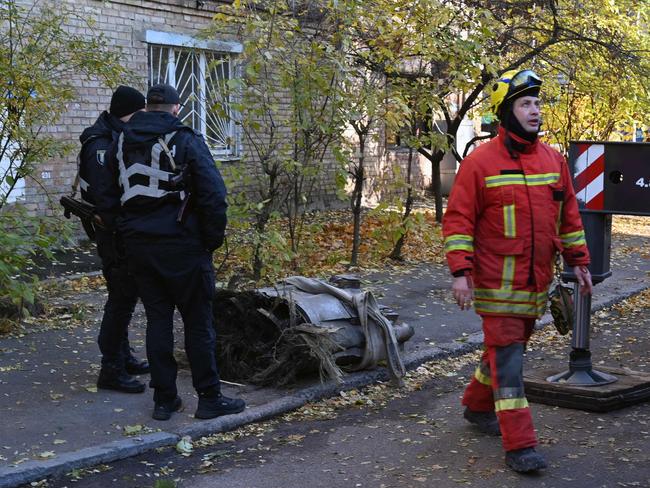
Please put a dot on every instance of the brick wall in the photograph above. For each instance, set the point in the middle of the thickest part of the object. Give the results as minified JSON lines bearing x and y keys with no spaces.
{"x":124,"y":23}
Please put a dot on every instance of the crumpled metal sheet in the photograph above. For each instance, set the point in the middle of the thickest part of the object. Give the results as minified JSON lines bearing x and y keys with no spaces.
{"x":358,"y":322}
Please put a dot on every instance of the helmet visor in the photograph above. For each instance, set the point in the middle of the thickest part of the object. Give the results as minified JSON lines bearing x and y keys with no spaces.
{"x":523,"y":80}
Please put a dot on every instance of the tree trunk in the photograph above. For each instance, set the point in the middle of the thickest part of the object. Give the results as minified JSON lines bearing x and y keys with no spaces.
{"x":436,"y":183}
{"x":396,"y":253}
{"x":261,"y":220}
{"x":356,"y":199}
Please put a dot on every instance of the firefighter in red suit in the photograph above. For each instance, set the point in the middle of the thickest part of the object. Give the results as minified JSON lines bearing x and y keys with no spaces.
{"x":511,"y":210}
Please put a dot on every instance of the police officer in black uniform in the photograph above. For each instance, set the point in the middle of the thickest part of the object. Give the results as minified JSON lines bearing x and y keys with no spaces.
{"x":171,"y":202}
{"x":118,"y":361}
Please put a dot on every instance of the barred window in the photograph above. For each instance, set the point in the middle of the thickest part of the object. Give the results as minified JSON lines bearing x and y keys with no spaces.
{"x":9,"y":173}
{"x":200,"y":76}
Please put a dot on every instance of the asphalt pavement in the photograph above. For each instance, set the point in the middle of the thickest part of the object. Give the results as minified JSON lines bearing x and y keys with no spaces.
{"x":415,"y":436}
{"x":55,"y":420}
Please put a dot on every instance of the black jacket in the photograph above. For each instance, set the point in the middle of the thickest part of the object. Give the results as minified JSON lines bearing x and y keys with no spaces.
{"x":95,"y":141}
{"x":138,"y":197}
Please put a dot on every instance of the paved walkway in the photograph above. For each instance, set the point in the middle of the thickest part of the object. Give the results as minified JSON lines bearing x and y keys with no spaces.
{"x":55,"y":420}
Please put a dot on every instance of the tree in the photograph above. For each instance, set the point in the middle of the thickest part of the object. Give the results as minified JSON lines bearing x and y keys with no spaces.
{"x":39,"y":61}
{"x":596,"y":99}
{"x":366,"y":92}
{"x":289,"y":111}
{"x":436,"y":57}
{"x":451,"y":50}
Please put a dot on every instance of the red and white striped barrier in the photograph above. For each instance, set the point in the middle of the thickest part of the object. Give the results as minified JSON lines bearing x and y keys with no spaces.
{"x":589,"y":175}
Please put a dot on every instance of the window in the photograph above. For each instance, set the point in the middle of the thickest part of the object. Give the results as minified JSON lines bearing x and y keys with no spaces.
{"x":200,"y":71}
{"x":9,"y":165}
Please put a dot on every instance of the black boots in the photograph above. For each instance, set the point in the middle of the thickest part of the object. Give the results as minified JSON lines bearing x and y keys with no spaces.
{"x":525,"y":460}
{"x":164,"y":410}
{"x":115,"y":378}
{"x":210,"y":406}
{"x":215,"y":405}
{"x":486,"y":422}
{"x":134,"y":366}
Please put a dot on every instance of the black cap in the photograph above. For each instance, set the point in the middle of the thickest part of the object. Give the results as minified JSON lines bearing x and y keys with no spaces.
{"x":530,"y":91}
{"x":162,"y":94}
{"x":125,"y":101}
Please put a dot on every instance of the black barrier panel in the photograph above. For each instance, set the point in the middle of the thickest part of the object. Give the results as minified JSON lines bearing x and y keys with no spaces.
{"x":612,"y":177}
{"x":598,"y":232}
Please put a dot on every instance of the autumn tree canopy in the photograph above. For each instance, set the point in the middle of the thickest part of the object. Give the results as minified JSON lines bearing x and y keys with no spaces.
{"x":439,"y":55}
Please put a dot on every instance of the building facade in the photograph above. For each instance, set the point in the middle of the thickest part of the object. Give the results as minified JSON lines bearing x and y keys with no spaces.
{"x":160,"y":41}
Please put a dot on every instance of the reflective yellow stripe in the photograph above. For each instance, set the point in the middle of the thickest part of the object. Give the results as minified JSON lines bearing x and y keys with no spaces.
{"x":576,"y":243}
{"x":573,"y":239}
{"x":527,"y":309}
{"x":510,"y":404}
{"x":510,"y":295}
{"x":482,"y":377}
{"x":459,"y":242}
{"x":542,"y":179}
{"x":459,"y":237}
{"x":502,"y":180}
{"x":459,"y":247}
{"x":509,"y":222}
{"x":519,"y":179}
{"x":508,"y":275}
{"x":570,"y":235}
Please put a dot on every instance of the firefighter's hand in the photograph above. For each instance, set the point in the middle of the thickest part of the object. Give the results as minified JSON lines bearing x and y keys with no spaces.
{"x":584,"y":279}
{"x":462,"y":289}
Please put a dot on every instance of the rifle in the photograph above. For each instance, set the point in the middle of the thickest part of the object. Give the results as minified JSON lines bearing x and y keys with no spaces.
{"x":85,"y":211}
{"x":179,"y":181}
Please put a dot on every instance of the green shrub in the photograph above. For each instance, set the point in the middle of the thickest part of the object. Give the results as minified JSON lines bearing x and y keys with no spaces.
{"x":22,"y":238}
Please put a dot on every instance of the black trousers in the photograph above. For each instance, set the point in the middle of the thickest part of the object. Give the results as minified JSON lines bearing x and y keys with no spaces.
{"x":113,"y":336}
{"x":175,"y":274}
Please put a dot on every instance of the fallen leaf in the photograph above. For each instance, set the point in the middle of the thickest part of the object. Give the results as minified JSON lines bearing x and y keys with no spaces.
{"x":185,"y":446}
{"x":132,"y":429}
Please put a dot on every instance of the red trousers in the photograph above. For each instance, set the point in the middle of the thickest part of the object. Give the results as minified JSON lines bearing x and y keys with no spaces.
{"x":498,"y":383}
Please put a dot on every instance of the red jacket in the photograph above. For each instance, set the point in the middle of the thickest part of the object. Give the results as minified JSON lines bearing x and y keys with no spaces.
{"x":505,"y":221}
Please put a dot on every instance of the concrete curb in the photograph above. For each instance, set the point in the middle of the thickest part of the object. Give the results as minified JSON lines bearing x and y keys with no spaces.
{"x":83,"y":458}
{"x":14,"y":476}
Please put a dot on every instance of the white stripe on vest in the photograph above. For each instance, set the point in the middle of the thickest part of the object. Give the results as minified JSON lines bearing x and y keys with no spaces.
{"x":153,"y":172}
{"x":83,"y":184}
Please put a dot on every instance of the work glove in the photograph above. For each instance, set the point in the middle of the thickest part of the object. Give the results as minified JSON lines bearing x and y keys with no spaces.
{"x":561,"y":298}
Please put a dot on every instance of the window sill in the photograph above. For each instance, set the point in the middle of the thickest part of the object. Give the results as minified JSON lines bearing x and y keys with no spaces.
{"x":226,"y":159}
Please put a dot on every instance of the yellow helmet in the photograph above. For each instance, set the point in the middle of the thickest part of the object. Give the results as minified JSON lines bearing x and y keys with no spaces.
{"x":513,"y":84}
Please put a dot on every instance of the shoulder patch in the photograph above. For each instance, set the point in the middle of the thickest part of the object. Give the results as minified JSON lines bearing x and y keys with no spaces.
{"x":100,"y":156}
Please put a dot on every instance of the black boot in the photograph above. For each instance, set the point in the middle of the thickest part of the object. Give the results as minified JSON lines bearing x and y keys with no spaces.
{"x":164,"y":410}
{"x":486,"y":422}
{"x":525,"y":460}
{"x":134,"y":366}
{"x":114,"y":378}
{"x":215,"y":405}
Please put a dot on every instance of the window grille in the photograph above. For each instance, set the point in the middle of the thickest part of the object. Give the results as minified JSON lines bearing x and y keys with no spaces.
{"x":201,"y":78}
{"x":9,"y":165}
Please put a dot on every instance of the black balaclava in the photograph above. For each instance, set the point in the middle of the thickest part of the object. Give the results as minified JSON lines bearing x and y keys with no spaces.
{"x":511,"y":124}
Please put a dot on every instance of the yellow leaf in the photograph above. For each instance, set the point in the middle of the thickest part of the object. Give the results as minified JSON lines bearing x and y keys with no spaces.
{"x":132,"y":429}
